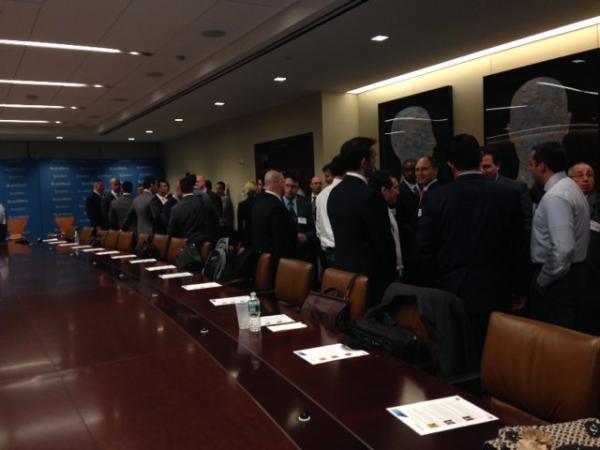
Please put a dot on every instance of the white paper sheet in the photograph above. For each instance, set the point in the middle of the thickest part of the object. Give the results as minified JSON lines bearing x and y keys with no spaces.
{"x":108,"y":252}
{"x":442,"y":414}
{"x":70,"y":244}
{"x":94,"y":250}
{"x":123,"y":257}
{"x":287,"y":326}
{"x":80,"y":247}
{"x":594,"y":226}
{"x":196,"y":287}
{"x":328,"y":353}
{"x":168,"y":276}
{"x":278,"y":319}
{"x":157,"y":268}
{"x":226,"y":300}
{"x":142,"y":261}
{"x":50,"y":240}
{"x":57,"y":242}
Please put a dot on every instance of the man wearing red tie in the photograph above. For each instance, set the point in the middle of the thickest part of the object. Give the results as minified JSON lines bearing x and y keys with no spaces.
{"x":426,"y":171}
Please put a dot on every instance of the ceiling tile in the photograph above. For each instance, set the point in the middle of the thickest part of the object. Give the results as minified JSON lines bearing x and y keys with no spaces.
{"x":16,"y":19}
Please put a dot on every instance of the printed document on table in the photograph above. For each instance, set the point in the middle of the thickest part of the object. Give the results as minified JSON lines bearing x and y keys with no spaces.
{"x":168,"y":276}
{"x":286,"y":327}
{"x":94,"y":250}
{"x":123,"y":257}
{"x":109,"y":252}
{"x":328,"y":353}
{"x":142,"y":261}
{"x":267,"y":321}
{"x":442,"y":414}
{"x":57,"y":242}
{"x":72,"y":244}
{"x":157,"y":268}
{"x":225,"y":300}
{"x":80,"y":247}
{"x":50,"y":240}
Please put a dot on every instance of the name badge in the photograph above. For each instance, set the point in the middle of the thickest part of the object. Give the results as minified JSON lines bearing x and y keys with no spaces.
{"x":595,"y":226}
{"x":302,"y":220}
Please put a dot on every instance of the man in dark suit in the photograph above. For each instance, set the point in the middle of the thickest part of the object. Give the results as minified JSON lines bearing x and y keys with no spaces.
{"x":301,"y":211}
{"x":491,"y":166}
{"x":273,"y":229}
{"x":360,"y":221}
{"x":120,"y":207}
{"x":93,"y":205}
{"x":115,"y":192}
{"x":145,"y":210}
{"x":190,"y":218}
{"x":407,"y":208}
{"x":471,"y":241}
{"x":167,"y":200}
{"x":226,"y":218}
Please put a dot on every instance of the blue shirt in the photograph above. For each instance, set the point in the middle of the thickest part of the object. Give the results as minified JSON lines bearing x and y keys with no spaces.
{"x":560,"y":229}
{"x":287,"y":202}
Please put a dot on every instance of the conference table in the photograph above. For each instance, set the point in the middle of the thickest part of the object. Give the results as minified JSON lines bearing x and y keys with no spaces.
{"x":101,"y":353}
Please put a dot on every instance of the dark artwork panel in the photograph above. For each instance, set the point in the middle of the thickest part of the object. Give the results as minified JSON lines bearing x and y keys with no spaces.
{"x":555,"y":100}
{"x":415,"y":126}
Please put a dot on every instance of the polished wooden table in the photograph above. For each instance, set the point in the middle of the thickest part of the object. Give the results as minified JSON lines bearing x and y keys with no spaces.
{"x":229,"y":388}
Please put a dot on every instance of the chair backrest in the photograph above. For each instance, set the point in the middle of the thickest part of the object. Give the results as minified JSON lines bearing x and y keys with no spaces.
{"x":293,"y":280}
{"x":143,"y":237}
{"x":64,"y":223}
{"x":263,"y":277}
{"x":175,"y":247}
{"x":16,"y":227}
{"x":161,"y":242}
{"x":548,"y":371}
{"x":339,"y":280}
{"x":102,"y":234}
{"x":205,"y":250}
{"x":86,"y":235}
{"x":112,"y":236}
{"x":125,"y":241}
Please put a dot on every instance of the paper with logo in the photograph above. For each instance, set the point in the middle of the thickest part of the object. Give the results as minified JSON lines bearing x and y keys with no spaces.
{"x":94,"y":250}
{"x":168,"y":276}
{"x":328,"y":353}
{"x":157,"y":268}
{"x":278,"y":319}
{"x":109,"y":252}
{"x":442,"y":414}
{"x":142,"y":261}
{"x":123,"y":257}
{"x":227,"y":300}
{"x":286,"y":327}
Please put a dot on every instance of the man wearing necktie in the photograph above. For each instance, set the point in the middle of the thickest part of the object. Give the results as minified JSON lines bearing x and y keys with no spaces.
{"x":315,"y":187}
{"x":426,"y":171}
{"x":301,"y":212}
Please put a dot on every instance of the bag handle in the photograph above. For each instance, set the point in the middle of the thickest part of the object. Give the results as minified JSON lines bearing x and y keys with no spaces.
{"x":350,"y":286}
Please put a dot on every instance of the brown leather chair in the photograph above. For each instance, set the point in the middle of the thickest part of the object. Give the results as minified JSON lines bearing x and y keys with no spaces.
{"x":175,"y":247}
{"x":102,"y":234}
{"x":263,"y":278}
{"x":15,"y":228}
{"x":339,"y":281}
{"x":111,"y":240}
{"x":293,"y":281}
{"x":85,"y":236}
{"x":142,"y":238}
{"x":205,"y":250}
{"x":125,"y":241}
{"x":69,"y":233}
{"x":161,"y":242}
{"x":65,"y":224}
{"x":540,"y":372}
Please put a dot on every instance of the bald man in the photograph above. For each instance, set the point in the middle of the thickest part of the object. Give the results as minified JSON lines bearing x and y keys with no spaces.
{"x":583,"y":174}
{"x":273,"y":228}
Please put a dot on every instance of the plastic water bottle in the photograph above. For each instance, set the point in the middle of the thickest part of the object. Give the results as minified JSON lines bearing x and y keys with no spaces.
{"x":254,"y":312}
{"x":76,"y":236}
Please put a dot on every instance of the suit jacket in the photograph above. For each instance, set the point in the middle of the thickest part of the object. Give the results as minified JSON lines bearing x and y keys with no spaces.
{"x":118,"y":211}
{"x":166,"y":209}
{"x":273,"y":229}
{"x":226,"y":219}
{"x":471,"y":241}
{"x":363,"y":239}
{"x":192,"y":219}
{"x":407,"y":207}
{"x":105,"y":207}
{"x":244,"y":220}
{"x":526,"y":202}
{"x":305,"y":223}
{"x":93,"y":209}
{"x":146,"y":212}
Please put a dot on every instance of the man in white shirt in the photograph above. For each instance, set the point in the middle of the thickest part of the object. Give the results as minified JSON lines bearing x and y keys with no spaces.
{"x":322,"y":223}
{"x":315,"y":188}
{"x":559,"y":239}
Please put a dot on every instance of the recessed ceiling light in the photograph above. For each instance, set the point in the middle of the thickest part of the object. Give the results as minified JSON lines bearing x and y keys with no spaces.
{"x":43,"y":83}
{"x":149,"y":131}
{"x":131,"y":139}
{"x":57,"y":122}
{"x":219,"y":103}
{"x":578,"y":61}
{"x":22,"y":121}
{"x":98,"y":86}
{"x":481,"y":53}
{"x":60,"y":138}
{"x":178,"y":120}
{"x":380,"y":38}
{"x":279,"y":79}
{"x":84,"y":48}
{"x":135,"y":53}
{"x":72,"y":107}
{"x":16,"y":105}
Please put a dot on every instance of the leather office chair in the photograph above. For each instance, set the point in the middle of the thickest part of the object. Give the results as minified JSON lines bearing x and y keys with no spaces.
{"x":175,"y":247}
{"x":142,"y":238}
{"x":540,"y":371}
{"x":111,"y":239}
{"x":293,"y":281}
{"x":69,"y":233}
{"x":102,"y":234}
{"x":85,"y":236}
{"x":66,"y":225}
{"x":125,"y":241}
{"x":339,"y":280}
{"x":161,"y":242}
{"x":205,"y":250}
{"x":263,"y":278}
{"x":15,"y":228}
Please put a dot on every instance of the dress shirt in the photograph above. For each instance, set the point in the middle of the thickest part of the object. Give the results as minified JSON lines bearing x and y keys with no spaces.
{"x":358,"y":175}
{"x":396,"y":236}
{"x":2,"y":215}
{"x":322,"y":223}
{"x":162,"y":199}
{"x":114,"y":194}
{"x":560,"y":230}
{"x":291,"y":204}
{"x":412,"y":186}
{"x":422,"y":192}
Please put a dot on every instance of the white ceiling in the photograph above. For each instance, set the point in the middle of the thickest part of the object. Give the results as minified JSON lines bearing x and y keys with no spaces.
{"x":264,"y":38}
